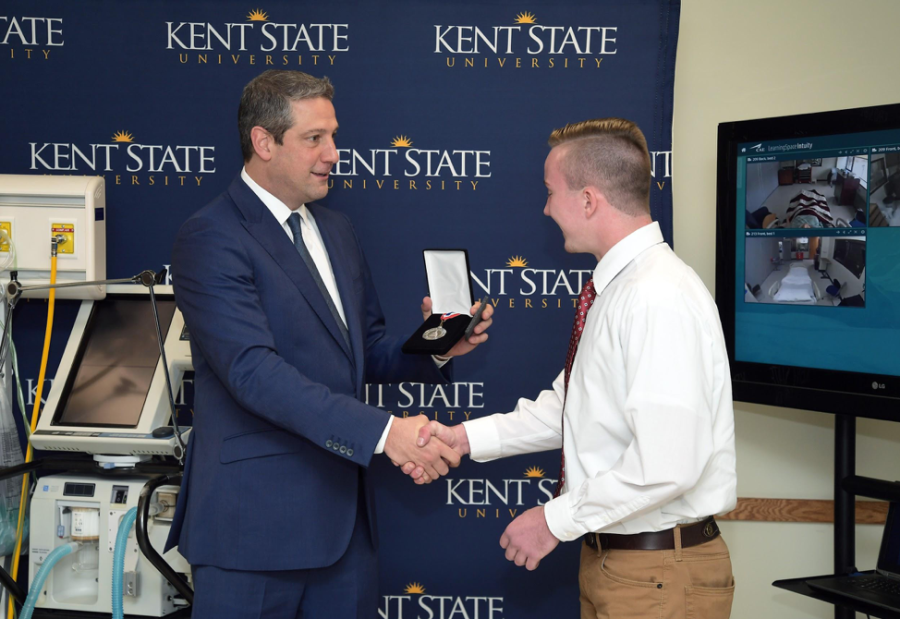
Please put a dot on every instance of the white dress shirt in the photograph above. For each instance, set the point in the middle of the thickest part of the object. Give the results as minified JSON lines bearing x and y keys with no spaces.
{"x":649,"y":422}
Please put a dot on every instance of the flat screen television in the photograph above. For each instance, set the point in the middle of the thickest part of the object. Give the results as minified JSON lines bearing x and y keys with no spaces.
{"x":808,"y":260}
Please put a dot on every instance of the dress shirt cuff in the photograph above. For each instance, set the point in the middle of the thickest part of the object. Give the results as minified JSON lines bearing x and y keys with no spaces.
{"x":440,"y":361}
{"x":484,"y":440}
{"x":379,"y":448}
{"x":558,"y":515}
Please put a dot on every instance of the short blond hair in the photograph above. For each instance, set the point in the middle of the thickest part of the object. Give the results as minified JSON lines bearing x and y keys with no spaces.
{"x":612,"y":155}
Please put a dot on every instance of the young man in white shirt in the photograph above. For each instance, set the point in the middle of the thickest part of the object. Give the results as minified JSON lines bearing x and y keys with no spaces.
{"x":643,"y":411}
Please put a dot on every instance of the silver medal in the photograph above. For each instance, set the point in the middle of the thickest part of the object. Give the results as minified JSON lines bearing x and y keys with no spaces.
{"x":435,"y":333}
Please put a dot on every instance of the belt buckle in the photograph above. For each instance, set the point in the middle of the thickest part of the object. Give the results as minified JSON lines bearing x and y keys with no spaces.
{"x":710,"y":529}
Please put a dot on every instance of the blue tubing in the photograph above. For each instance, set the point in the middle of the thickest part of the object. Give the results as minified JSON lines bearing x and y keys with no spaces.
{"x":38,"y":584}
{"x":125,"y":525}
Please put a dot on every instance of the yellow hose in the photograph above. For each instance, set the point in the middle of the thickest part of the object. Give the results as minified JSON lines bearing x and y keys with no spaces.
{"x":34,"y":418}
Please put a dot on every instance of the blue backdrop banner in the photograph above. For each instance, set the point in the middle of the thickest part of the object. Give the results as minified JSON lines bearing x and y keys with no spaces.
{"x":444,"y":109}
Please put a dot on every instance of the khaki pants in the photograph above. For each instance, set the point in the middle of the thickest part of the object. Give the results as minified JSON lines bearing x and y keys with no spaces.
{"x":689,"y":583}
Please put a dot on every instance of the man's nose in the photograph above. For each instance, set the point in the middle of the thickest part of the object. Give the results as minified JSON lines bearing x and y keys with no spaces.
{"x":329,"y":153}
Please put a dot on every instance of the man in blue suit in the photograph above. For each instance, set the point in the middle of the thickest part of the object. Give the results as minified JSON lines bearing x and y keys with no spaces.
{"x":276,"y":514}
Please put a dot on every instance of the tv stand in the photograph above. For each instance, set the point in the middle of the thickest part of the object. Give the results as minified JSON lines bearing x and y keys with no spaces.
{"x":847,"y":486}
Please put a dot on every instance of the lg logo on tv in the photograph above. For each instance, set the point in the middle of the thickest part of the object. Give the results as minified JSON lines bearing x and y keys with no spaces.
{"x":876,"y":385}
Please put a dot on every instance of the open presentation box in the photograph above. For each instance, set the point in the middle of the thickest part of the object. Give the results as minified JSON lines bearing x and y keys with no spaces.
{"x":450,"y":289}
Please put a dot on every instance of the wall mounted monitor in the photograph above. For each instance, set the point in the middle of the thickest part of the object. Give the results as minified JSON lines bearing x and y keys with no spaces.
{"x":808,"y":260}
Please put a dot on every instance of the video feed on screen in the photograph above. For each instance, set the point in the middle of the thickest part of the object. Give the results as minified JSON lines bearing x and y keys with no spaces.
{"x":825,"y":192}
{"x":884,"y":197}
{"x":806,"y":270}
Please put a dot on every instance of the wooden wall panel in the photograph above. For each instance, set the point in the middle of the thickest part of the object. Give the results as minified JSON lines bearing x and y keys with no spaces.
{"x":802,"y":510}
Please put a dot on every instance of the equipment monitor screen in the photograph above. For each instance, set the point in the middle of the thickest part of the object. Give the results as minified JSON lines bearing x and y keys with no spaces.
{"x":115,"y":364}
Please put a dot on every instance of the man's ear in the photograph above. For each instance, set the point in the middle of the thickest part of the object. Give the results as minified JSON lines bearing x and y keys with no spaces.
{"x":263,"y":143}
{"x":592,"y":201}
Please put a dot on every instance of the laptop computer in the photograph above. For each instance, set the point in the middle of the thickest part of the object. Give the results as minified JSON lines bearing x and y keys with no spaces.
{"x":881,"y":587}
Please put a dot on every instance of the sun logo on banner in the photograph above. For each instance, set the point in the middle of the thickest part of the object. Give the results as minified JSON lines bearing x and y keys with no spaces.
{"x":122,"y":136}
{"x":401,"y":141}
{"x":414,"y":587}
{"x":525,"y":17}
{"x":517,"y":261}
{"x":534,"y":471}
{"x":257,"y":15}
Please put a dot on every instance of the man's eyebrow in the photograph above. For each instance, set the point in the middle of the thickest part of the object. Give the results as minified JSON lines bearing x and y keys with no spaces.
{"x":318,"y":130}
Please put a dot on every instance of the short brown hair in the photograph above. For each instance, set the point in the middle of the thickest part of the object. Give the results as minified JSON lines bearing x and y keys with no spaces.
{"x":612,"y":155}
{"x":266,"y":102}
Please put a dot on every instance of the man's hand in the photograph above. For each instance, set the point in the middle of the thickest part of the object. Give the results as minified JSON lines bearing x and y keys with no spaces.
{"x":454,"y":437}
{"x":466,"y":345}
{"x":434,"y":459}
{"x":528,"y":539}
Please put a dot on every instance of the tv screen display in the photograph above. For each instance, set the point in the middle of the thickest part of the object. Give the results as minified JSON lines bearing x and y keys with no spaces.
{"x":808,"y":259}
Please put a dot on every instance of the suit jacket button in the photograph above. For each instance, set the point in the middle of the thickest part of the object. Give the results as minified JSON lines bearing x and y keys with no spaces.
{"x":335,"y":446}
{"x":349,"y":451}
{"x":328,"y":443}
{"x":343,"y":449}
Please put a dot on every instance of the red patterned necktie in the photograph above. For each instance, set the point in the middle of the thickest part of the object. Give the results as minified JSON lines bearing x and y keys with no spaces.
{"x":585,"y":301}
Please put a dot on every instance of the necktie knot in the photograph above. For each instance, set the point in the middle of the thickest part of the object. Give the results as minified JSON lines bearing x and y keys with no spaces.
{"x":588,"y":289}
{"x":294,"y":223}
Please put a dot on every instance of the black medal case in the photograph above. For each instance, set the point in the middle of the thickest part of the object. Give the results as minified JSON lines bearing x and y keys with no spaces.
{"x":450,"y":289}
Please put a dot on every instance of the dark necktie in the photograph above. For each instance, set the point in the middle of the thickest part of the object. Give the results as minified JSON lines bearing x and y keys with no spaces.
{"x":297,"y":230}
{"x":585,"y":301}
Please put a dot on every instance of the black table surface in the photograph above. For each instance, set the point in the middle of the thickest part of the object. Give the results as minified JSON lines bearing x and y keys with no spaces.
{"x":799,"y":585}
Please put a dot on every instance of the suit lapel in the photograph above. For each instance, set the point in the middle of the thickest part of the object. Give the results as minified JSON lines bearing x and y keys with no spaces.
{"x":262,"y":226}
{"x":341,"y":269}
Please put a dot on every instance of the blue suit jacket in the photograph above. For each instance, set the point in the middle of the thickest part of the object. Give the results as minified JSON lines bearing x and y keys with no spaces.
{"x":280,"y":435}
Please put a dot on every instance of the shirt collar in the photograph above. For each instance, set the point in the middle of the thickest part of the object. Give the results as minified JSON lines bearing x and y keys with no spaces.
{"x":624,"y":252}
{"x":279,"y":209}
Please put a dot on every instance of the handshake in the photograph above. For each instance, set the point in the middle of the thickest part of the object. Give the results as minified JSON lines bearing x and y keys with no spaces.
{"x":425,"y":459}
{"x":409,"y":441}
{"x":427,"y":449}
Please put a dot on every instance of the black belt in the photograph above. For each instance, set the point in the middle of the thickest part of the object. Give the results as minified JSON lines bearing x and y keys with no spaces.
{"x":691,"y":535}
